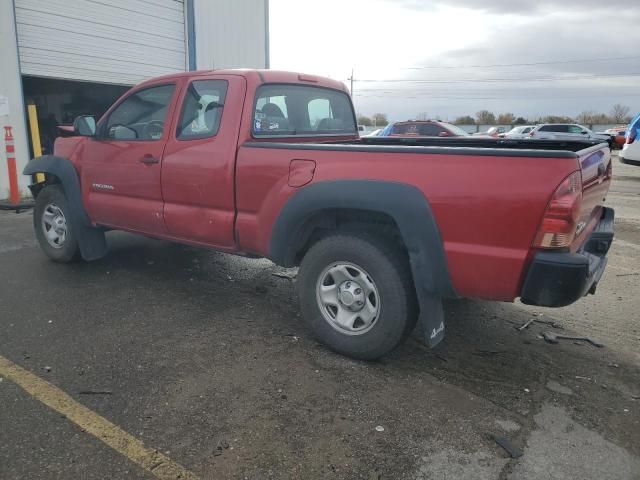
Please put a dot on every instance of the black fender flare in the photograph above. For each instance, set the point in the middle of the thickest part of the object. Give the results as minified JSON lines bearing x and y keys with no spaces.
{"x":411,"y":212}
{"x":91,"y":240}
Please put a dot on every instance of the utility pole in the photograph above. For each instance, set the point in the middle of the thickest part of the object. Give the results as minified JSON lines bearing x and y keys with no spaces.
{"x":351,"y":79}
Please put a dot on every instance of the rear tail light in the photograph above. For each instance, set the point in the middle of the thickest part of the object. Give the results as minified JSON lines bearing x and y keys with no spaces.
{"x":558,"y":227}
{"x":531,"y":134}
{"x":631,"y":135}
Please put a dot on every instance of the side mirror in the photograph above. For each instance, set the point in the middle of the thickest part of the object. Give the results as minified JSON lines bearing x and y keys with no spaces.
{"x":85,"y":126}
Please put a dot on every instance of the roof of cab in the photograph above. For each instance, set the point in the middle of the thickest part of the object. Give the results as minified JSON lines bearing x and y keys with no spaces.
{"x":258,"y":76}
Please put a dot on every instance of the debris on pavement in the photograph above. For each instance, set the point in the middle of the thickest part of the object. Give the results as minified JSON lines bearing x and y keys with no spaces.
{"x":552,"y":337}
{"x":551,"y":323}
{"x":222,"y":445}
{"x":488,"y":353}
{"x":508,"y":447}
{"x":627,"y":274}
{"x":287,"y":275}
{"x":526,"y":324}
{"x":379,"y":428}
{"x":47,"y":368}
{"x":95,"y":392}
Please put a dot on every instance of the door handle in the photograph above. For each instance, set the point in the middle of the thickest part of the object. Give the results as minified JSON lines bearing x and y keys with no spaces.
{"x":149,"y":160}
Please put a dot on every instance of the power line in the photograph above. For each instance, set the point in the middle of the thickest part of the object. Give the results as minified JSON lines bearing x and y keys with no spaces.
{"x":530,"y":64}
{"x":500,"y":80}
{"x":528,"y":99}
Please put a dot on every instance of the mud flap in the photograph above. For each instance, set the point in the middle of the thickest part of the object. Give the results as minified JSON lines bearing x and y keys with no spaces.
{"x":432,"y":319}
{"x":92,"y":241}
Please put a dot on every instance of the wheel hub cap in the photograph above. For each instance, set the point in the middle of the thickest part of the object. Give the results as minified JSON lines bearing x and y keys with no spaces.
{"x":351,"y":296}
{"x":348,"y":298}
{"x":54,"y":225}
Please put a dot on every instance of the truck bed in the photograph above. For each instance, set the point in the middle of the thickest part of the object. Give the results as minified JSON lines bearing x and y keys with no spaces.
{"x":491,"y":143}
{"x":451,"y":146}
{"x":488,"y":196}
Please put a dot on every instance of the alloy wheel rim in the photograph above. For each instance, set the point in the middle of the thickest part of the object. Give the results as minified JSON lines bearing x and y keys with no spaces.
{"x":348,"y":298}
{"x":54,"y":225}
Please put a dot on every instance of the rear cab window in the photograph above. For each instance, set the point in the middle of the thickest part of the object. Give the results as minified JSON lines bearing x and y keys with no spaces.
{"x":301,"y":110}
{"x":418,"y":129}
{"x":555,"y":128}
{"x":201,"y":109}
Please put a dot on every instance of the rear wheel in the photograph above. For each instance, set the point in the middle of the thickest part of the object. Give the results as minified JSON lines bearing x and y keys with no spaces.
{"x":356,"y":295}
{"x":53,"y":225}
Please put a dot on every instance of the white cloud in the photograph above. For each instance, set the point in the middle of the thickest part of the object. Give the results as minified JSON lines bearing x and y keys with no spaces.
{"x":379,"y":39}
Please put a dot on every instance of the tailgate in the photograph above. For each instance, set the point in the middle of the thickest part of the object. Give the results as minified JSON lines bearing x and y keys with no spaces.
{"x":595,"y":165}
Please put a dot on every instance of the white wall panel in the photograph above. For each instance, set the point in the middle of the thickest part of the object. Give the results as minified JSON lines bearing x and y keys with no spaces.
{"x":231,"y":34}
{"x":108,"y":41}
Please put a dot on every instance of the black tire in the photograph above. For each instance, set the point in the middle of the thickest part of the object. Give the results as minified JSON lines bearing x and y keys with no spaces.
{"x":389,"y":270}
{"x":68,"y":250}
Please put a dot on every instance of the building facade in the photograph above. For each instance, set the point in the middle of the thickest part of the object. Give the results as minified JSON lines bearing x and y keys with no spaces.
{"x":75,"y":57}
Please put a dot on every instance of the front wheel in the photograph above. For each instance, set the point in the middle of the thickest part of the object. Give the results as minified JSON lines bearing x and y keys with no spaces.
{"x":53,"y":225}
{"x":356,"y":295}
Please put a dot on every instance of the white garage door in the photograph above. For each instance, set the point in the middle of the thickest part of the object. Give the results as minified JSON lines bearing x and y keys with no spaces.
{"x":106,"y":41}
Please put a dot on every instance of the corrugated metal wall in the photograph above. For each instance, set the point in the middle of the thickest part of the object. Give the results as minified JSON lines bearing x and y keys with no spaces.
{"x":231,"y":34}
{"x":107,"y":41}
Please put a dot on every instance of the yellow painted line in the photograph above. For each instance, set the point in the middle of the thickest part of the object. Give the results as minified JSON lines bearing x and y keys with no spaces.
{"x":151,"y":460}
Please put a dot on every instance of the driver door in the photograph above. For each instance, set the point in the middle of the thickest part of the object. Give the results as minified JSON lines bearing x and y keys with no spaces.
{"x":120,"y":170}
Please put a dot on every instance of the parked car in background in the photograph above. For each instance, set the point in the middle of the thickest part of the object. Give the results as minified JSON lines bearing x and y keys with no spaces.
{"x":494,"y":132}
{"x":566,"y":131}
{"x":373,"y":133}
{"x":422,"y":128}
{"x":617,"y":134}
{"x":631,"y":149}
{"x":520,"y":132}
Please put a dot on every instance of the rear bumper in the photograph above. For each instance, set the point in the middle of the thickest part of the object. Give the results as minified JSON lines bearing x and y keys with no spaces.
{"x":630,"y":162}
{"x":556,"y":279}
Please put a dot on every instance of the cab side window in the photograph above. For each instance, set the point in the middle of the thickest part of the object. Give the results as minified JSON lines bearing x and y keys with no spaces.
{"x":202,"y":109}
{"x":141,"y":116}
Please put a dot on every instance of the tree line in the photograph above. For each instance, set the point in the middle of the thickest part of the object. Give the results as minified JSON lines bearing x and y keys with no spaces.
{"x":618,"y":114}
{"x":375,"y":120}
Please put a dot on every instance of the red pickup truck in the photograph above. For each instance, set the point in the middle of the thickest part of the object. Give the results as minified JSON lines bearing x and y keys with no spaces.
{"x":269,"y":164}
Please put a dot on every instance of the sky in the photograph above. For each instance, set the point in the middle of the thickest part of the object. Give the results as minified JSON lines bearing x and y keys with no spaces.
{"x":447,"y":58}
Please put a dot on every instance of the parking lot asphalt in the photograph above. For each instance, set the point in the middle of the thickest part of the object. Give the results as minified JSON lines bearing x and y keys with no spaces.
{"x":202,"y":358}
